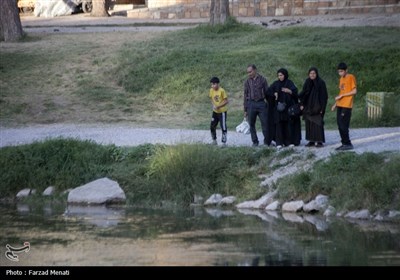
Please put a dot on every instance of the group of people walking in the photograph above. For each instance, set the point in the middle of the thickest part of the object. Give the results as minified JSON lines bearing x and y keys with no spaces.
{"x":271,"y":104}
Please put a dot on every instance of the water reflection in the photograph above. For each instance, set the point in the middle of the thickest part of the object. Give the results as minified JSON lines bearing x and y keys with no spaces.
{"x":217,"y":213}
{"x":292,"y":217}
{"x":267,"y":216}
{"x":23,"y":208}
{"x":101,"y":215}
{"x":319,"y":222}
{"x":79,"y":235}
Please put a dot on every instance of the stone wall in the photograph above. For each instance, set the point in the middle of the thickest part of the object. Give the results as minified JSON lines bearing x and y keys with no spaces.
{"x":164,"y":9}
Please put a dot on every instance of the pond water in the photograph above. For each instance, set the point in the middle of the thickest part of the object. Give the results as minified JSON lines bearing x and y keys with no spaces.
{"x":126,"y":236}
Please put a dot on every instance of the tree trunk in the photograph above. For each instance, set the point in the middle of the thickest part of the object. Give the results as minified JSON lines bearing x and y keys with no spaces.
{"x":219,"y":11}
{"x":10,"y":23}
{"x":100,"y":8}
{"x":224,"y":11}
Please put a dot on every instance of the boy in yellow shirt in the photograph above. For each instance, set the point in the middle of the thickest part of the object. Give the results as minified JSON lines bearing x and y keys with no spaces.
{"x":219,"y":100}
{"x":344,"y":105}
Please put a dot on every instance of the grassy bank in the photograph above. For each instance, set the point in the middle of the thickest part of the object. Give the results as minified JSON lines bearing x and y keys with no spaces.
{"x":367,"y":181}
{"x":162,"y":79}
{"x":164,"y":175}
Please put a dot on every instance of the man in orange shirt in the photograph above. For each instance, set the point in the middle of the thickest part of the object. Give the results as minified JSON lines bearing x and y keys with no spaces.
{"x":344,"y":105}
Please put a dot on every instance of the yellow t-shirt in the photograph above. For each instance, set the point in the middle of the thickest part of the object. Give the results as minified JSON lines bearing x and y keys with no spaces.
{"x":346,"y":84}
{"x":217,"y":96}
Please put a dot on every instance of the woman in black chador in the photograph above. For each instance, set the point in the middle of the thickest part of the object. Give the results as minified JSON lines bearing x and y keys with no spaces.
{"x":314,"y":98}
{"x":288,"y":129}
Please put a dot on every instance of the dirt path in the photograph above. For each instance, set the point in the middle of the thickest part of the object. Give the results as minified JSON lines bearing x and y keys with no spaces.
{"x":84,"y":23}
{"x":364,"y":140}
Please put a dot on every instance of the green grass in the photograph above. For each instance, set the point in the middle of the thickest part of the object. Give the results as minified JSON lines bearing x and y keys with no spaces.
{"x":182,"y":171}
{"x":181,"y":75}
{"x":156,"y":78}
{"x":367,"y":181}
{"x":149,"y":174}
{"x":159,"y":175}
{"x":60,"y":163}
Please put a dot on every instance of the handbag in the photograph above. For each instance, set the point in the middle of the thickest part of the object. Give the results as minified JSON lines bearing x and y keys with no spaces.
{"x":294,"y":110}
{"x":243,"y":127}
{"x":281,"y":106}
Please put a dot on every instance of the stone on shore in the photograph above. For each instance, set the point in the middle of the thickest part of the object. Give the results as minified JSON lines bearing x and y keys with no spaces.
{"x":100,"y":191}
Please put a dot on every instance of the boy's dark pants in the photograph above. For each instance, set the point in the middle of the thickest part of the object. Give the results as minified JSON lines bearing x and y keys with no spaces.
{"x":215,"y":119}
{"x":343,"y":116}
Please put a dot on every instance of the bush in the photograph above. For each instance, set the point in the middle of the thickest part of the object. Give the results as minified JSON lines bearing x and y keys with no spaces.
{"x":185,"y":170}
{"x":60,"y":163}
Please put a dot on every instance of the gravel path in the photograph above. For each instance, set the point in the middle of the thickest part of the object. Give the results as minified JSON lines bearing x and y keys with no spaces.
{"x":81,"y":23}
{"x":103,"y":29}
{"x":364,"y":140}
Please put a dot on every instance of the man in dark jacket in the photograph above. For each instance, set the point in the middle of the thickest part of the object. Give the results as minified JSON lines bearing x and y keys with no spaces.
{"x":255,"y":104}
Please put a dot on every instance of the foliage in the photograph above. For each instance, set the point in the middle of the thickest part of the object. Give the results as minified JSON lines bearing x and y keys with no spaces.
{"x":367,"y":181}
{"x":58,"y":162}
{"x":149,"y":174}
{"x":156,"y":175}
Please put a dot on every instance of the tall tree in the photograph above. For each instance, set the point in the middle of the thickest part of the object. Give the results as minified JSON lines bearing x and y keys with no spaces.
{"x":219,"y":11}
{"x":10,"y":23}
{"x":100,"y":8}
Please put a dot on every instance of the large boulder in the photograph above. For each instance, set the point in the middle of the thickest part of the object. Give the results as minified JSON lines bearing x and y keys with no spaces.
{"x":48,"y":191}
{"x":260,"y":203}
{"x":320,"y":203}
{"x":100,"y":191}
{"x":213,"y":199}
{"x":293,"y":206}
{"x":24,"y":193}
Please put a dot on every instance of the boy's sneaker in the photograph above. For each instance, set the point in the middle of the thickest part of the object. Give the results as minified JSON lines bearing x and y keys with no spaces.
{"x":279,"y":147}
{"x":214,"y":142}
{"x":255,"y":144}
{"x":223,"y":138}
{"x":345,"y":147}
{"x":319,"y":145}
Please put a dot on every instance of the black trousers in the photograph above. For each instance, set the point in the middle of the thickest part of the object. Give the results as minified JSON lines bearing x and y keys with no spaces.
{"x":215,"y":119}
{"x":258,"y":108}
{"x":343,"y":116}
{"x":282,"y":134}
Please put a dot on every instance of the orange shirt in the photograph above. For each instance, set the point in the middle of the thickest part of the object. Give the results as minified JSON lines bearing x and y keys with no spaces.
{"x":346,"y":84}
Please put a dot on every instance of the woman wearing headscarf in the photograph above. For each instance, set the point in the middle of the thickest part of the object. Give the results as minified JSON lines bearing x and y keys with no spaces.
{"x":288,"y":129}
{"x":314,"y":98}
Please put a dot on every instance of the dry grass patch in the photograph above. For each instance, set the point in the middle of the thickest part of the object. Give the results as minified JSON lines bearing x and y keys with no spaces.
{"x":71,"y":73}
